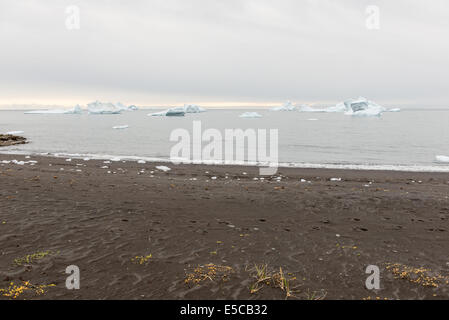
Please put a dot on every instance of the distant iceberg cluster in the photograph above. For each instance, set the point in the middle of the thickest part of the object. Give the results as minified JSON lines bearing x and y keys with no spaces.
{"x":96,"y":107}
{"x":76,"y":110}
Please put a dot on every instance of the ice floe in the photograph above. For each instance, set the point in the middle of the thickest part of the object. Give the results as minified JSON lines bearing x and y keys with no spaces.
{"x":121,"y":127}
{"x":285,"y":107}
{"x":98,"y":107}
{"x":250,"y":115}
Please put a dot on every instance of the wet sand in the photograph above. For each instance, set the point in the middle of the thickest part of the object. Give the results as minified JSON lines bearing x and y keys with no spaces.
{"x":137,"y":232}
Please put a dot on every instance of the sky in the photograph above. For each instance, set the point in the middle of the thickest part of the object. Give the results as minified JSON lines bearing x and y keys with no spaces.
{"x":223,"y":52}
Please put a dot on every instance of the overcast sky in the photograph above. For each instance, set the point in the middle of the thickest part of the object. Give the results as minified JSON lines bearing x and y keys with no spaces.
{"x":229,"y":52}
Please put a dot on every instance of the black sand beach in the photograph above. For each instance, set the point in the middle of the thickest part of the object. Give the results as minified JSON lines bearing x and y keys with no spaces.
{"x":141,"y":233}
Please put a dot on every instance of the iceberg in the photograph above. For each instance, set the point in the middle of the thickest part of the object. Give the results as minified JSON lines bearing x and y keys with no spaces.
{"x":76,"y":110}
{"x":354,"y":107}
{"x":193,"y":108}
{"x":173,"y":112}
{"x":122,"y":107}
{"x":179,"y":111}
{"x":363,"y":107}
{"x":250,"y":115}
{"x":442,"y":159}
{"x":286,"y":107}
{"x":98,"y":107}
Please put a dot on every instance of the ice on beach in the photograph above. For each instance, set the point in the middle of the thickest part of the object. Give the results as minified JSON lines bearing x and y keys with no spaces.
{"x":163,"y":168}
{"x":335,"y":179}
{"x":442,"y":159}
{"x":98,"y":107}
{"x":121,"y":127}
{"x":250,"y":115}
{"x":75,"y":110}
{"x":141,"y":162}
{"x":285,"y":107}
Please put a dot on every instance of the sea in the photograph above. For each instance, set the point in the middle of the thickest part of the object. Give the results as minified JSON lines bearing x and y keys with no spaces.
{"x":409,"y":140}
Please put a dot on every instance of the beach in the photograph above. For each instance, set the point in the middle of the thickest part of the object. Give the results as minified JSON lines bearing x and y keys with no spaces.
{"x":198,"y":232}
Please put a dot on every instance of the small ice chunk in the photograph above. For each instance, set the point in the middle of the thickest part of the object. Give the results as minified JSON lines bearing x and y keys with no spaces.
{"x":15,"y":132}
{"x":335,"y":179}
{"x":141,"y":161}
{"x":163,"y":168}
{"x":442,"y":159}
{"x":121,"y":127}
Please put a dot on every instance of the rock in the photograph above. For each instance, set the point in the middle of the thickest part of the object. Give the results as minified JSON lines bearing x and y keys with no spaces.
{"x":9,"y":140}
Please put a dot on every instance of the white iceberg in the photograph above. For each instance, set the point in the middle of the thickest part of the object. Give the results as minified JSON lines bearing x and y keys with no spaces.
{"x":250,"y":115}
{"x":76,"y":110}
{"x":286,"y":107}
{"x":173,"y":112}
{"x":363,"y":107}
{"x":193,"y":108}
{"x":122,"y":107}
{"x":354,"y":107}
{"x":98,"y":107}
{"x":442,"y":159}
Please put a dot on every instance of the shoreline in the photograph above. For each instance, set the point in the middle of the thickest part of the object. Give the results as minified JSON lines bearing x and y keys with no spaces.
{"x":138,"y":232}
{"x":441,"y":168}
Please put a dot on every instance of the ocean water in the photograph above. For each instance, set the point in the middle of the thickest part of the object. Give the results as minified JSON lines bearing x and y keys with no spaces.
{"x":406,"y":140}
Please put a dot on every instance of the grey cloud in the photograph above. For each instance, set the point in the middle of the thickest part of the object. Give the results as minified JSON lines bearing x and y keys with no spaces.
{"x":233,"y":50}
